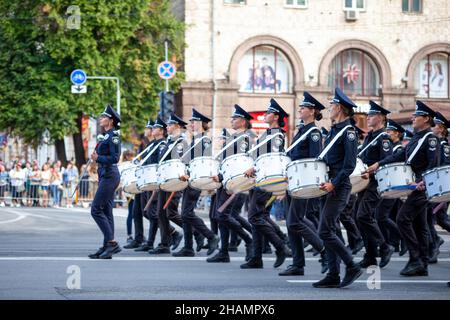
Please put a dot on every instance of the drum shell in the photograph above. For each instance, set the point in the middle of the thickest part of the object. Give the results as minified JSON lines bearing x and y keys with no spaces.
{"x":201,"y":171}
{"x":437,"y":183}
{"x":169,"y":173}
{"x":129,"y":180}
{"x":394,"y":175}
{"x":305,"y":177}
{"x":147,"y":177}
{"x":358,"y":183}
{"x":271,"y":170}
{"x":232,"y":169}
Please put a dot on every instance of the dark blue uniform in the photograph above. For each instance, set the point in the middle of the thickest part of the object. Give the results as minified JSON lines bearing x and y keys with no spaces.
{"x":298,"y":225}
{"x":341,"y":159}
{"x":441,"y":214}
{"x":108,"y":152}
{"x":369,"y":199}
{"x":412,"y":217}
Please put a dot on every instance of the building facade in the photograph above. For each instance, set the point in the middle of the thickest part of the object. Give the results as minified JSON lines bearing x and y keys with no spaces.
{"x":245,"y":52}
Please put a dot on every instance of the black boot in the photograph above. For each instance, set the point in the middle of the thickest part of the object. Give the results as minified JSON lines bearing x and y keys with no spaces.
{"x":324,"y":261}
{"x":110,"y":249}
{"x":367,"y":261}
{"x":200,"y":241}
{"x":413,"y":269}
{"x":133,"y":245}
{"x":386,"y":254}
{"x":97,"y":254}
{"x":219,"y":257}
{"x":176,"y":239}
{"x":253,"y":264}
{"x":213,"y":244}
{"x":292,"y":271}
{"x":184,"y":252}
{"x":160,"y":249}
{"x":403,"y":248}
{"x":330,"y":281}
{"x":358,"y":246}
{"x":352,"y":273}
{"x":281,"y":256}
{"x":143,"y":247}
{"x":248,"y":252}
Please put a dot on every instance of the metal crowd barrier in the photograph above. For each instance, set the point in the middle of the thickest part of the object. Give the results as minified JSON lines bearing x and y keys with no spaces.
{"x":20,"y":192}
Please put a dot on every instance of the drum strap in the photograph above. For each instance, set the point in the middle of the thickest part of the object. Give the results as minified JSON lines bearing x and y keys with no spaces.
{"x":396,"y":148}
{"x":303,"y":137}
{"x":231,"y":143}
{"x":335,"y":139}
{"x":419,"y":144}
{"x":150,"y":153}
{"x":371,"y":143}
{"x":170,"y":149}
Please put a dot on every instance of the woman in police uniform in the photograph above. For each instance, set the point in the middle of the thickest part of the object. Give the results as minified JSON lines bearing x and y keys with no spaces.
{"x":106,"y":154}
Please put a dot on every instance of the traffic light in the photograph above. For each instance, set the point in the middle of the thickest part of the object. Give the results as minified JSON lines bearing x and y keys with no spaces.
{"x":166,"y":103}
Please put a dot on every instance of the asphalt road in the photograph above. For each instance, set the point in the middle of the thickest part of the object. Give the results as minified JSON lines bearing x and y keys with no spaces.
{"x":43,"y":255}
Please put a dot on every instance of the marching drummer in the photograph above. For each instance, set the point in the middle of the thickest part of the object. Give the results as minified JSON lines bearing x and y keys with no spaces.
{"x":199,"y":127}
{"x":422,"y":153}
{"x":179,"y":145}
{"x":298,"y":225}
{"x":141,"y":199}
{"x":262,"y":224}
{"x":340,"y":148}
{"x":107,"y":154}
{"x":159,"y":132}
{"x":385,"y":208}
{"x":376,"y":146}
{"x":240,"y":122}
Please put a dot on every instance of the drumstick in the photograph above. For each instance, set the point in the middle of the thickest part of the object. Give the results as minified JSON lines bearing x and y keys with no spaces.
{"x":226,"y":203}
{"x":269,"y":202}
{"x":152,"y":197}
{"x":168,"y":200}
{"x":271,"y":182}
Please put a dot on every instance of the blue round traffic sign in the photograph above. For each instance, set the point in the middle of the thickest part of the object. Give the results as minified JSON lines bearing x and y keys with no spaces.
{"x":166,"y":70}
{"x":78,"y":77}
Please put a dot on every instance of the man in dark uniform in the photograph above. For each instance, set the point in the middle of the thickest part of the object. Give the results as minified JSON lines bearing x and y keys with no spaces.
{"x":341,"y":160}
{"x":376,"y":147}
{"x":412,"y":217}
{"x":384,"y":210}
{"x":203,"y":148}
{"x":141,"y":199}
{"x":241,"y":123}
{"x":107,"y":154}
{"x":261,"y":226}
{"x":169,"y":235}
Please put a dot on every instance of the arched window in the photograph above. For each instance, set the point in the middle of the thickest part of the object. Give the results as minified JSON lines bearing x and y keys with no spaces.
{"x":431,"y":76}
{"x":355,"y":72}
{"x":265,"y":69}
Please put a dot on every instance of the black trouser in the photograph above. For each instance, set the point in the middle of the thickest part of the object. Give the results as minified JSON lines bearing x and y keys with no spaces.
{"x":300,"y":227}
{"x":236,"y":209}
{"x":227,"y":222}
{"x":152,"y":214}
{"x":212,"y":219}
{"x":140,"y":200}
{"x":347,"y":220}
{"x":262,"y":224}
{"x":412,"y":223}
{"x":335,"y":203}
{"x":168,"y":214}
{"x":387,"y":226}
{"x":372,"y":236}
{"x":190,"y":220}
{"x":432,"y":235}
{"x":442,"y":217}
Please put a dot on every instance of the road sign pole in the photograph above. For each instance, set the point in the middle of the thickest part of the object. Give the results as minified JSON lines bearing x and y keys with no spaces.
{"x":166,"y":54}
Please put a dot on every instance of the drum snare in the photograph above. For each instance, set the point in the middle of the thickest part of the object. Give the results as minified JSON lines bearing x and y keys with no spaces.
{"x":305,"y":177}
{"x":129,"y":180}
{"x":147,"y":177}
{"x":358,"y":183}
{"x":169,"y":173}
{"x":201,"y":171}
{"x":437,"y":183}
{"x":232,"y":169}
{"x":271,"y":172}
{"x":394,"y":180}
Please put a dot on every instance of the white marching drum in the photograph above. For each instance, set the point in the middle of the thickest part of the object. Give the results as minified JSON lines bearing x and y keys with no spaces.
{"x":129,"y":180}
{"x":232,"y":169}
{"x":437,"y":183}
{"x":394,"y":180}
{"x":169,"y":173}
{"x":271,"y":172}
{"x":201,"y":171}
{"x":147,"y":177}
{"x":358,"y":183}
{"x":305,"y":177}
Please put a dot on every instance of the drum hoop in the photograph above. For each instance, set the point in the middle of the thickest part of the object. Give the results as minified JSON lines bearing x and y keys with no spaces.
{"x":306,"y":160}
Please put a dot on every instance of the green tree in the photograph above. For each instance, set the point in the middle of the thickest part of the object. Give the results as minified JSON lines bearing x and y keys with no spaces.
{"x":39,"y":50}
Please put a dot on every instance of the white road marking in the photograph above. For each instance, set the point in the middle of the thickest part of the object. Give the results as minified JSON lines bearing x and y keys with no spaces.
{"x":20,"y":217}
{"x":376,"y":281}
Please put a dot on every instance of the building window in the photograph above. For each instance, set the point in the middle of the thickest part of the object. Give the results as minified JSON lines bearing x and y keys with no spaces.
{"x":265,"y":69}
{"x":414,"y":6}
{"x":297,"y":3}
{"x":355,"y":72}
{"x":431,"y":76}
{"x":234,"y":1}
{"x":359,"y":5}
